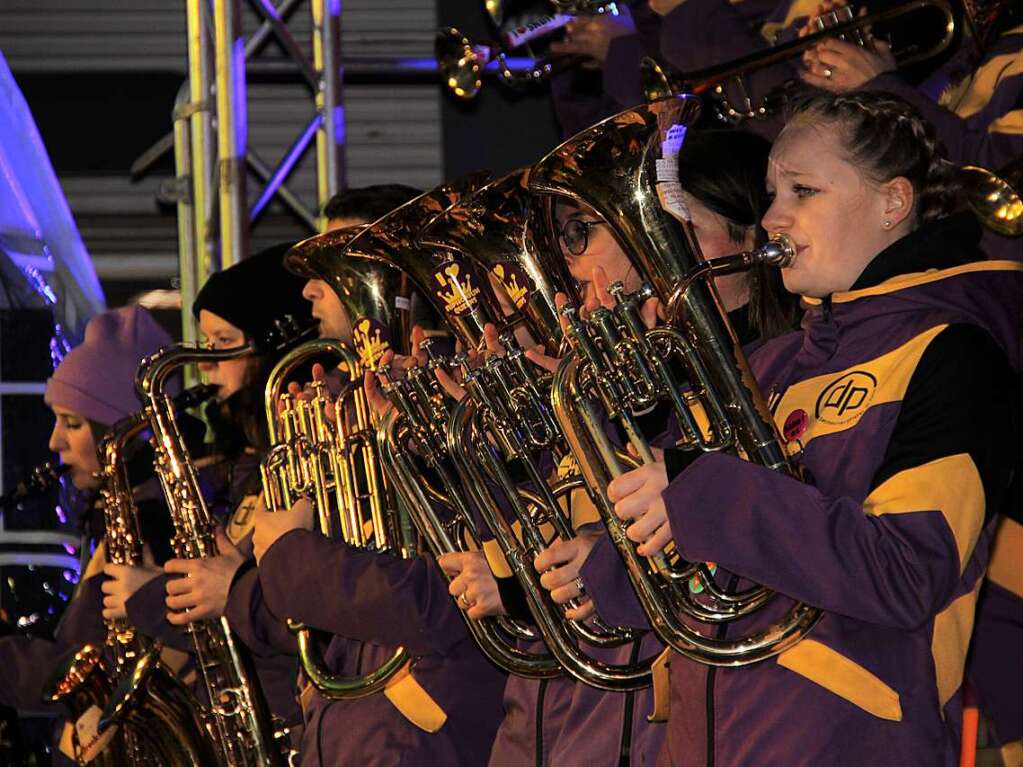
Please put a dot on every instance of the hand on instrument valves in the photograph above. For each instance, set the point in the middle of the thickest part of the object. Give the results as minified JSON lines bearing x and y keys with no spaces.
{"x":472,"y":583}
{"x":396,"y":365}
{"x":839,"y":66}
{"x":308,"y":393}
{"x":267,"y":527}
{"x":559,"y":566}
{"x":638,"y":502}
{"x":201,"y":591}
{"x":123,"y":581}
{"x":592,"y":36}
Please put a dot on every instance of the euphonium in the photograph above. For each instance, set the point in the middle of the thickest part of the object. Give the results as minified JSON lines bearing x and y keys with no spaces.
{"x":237,"y":717}
{"x":325,"y":450}
{"x":505,"y":415}
{"x":376,"y":295}
{"x":625,"y":168}
{"x":412,"y":437}
{"x":155,"y":713}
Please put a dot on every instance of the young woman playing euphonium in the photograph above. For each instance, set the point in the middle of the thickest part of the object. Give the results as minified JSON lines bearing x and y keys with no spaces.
{"x":897,"y":402}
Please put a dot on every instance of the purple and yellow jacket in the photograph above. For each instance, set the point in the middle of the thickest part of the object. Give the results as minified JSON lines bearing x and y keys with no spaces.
{"x":445,"y":709}
{"x":899,"y":406}
{"x":561,"y":721}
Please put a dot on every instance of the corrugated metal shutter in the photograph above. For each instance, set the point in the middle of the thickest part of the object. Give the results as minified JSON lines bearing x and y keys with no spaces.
{"x":111,"y":35}
{"x":393,"y":132}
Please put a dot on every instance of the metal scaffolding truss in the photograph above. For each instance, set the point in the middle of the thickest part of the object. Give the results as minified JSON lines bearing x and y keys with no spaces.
{"x":212,"y":156}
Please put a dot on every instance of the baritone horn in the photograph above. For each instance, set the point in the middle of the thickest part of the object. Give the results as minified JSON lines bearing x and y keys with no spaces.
{"x":376,"y":295}
{"x":625,"y":169}
{"x":994,"y":197}
{"x":506,"y":415}
{"x":323,"y":449}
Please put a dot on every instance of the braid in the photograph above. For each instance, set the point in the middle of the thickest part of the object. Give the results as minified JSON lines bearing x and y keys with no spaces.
{"x":885,"y":137}
{"x":941,"y":193}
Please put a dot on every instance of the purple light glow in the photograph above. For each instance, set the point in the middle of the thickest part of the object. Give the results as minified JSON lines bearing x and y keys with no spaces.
{"x":293,"y":156}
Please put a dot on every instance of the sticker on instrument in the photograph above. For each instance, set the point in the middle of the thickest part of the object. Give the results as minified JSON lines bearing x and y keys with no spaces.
{"x":696,"y":582}
{"x":672,"y":142}
{"x":669,"y":193}
{"x":240,"y":523}
{"x":402,"y":304}
{"x":90,"y":741}
{"x":456,"y":287}
{"x":371,"y":340}
{"x":515,"y":281}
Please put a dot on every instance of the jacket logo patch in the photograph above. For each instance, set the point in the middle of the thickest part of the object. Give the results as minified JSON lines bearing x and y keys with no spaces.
{"x":846,"y":398}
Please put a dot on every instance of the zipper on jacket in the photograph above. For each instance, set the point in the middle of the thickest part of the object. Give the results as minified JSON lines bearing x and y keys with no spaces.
{"x":722,"y":630}
{"x":710,"y":715}
{"x":540,"y":693}
{"x":624,"y":756}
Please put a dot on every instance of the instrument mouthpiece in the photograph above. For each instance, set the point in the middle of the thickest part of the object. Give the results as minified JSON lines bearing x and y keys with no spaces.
{"x":779,"y":251}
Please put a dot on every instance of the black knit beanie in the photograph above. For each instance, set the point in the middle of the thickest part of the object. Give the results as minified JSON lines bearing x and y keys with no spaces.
{"x":257,"y":294}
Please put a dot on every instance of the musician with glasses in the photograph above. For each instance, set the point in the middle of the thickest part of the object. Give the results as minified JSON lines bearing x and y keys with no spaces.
{"x":445,"y":706}
{"x":897,"y":401}
{"x":561,"y":721}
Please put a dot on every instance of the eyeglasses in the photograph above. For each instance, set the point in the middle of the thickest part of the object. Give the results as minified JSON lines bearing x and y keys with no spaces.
{"x":576,"y":234}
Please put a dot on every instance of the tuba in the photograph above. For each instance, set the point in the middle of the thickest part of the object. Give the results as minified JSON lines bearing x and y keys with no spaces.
{"x":365,"y":272}
{"x":237,"y":717}
{"x":625,"y":168}
{"x":157,"y":712}
{"x":506,"y":416}
{"x":330,"y":458}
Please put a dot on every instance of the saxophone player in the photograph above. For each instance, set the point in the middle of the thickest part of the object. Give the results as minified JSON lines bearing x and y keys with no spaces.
{"x":91,"y":389}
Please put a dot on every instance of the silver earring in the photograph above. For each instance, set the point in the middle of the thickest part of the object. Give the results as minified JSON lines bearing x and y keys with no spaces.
{"x":886,"y":224}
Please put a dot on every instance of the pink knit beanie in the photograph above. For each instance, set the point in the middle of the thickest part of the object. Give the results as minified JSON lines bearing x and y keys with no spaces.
{"x":97,"y":378}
